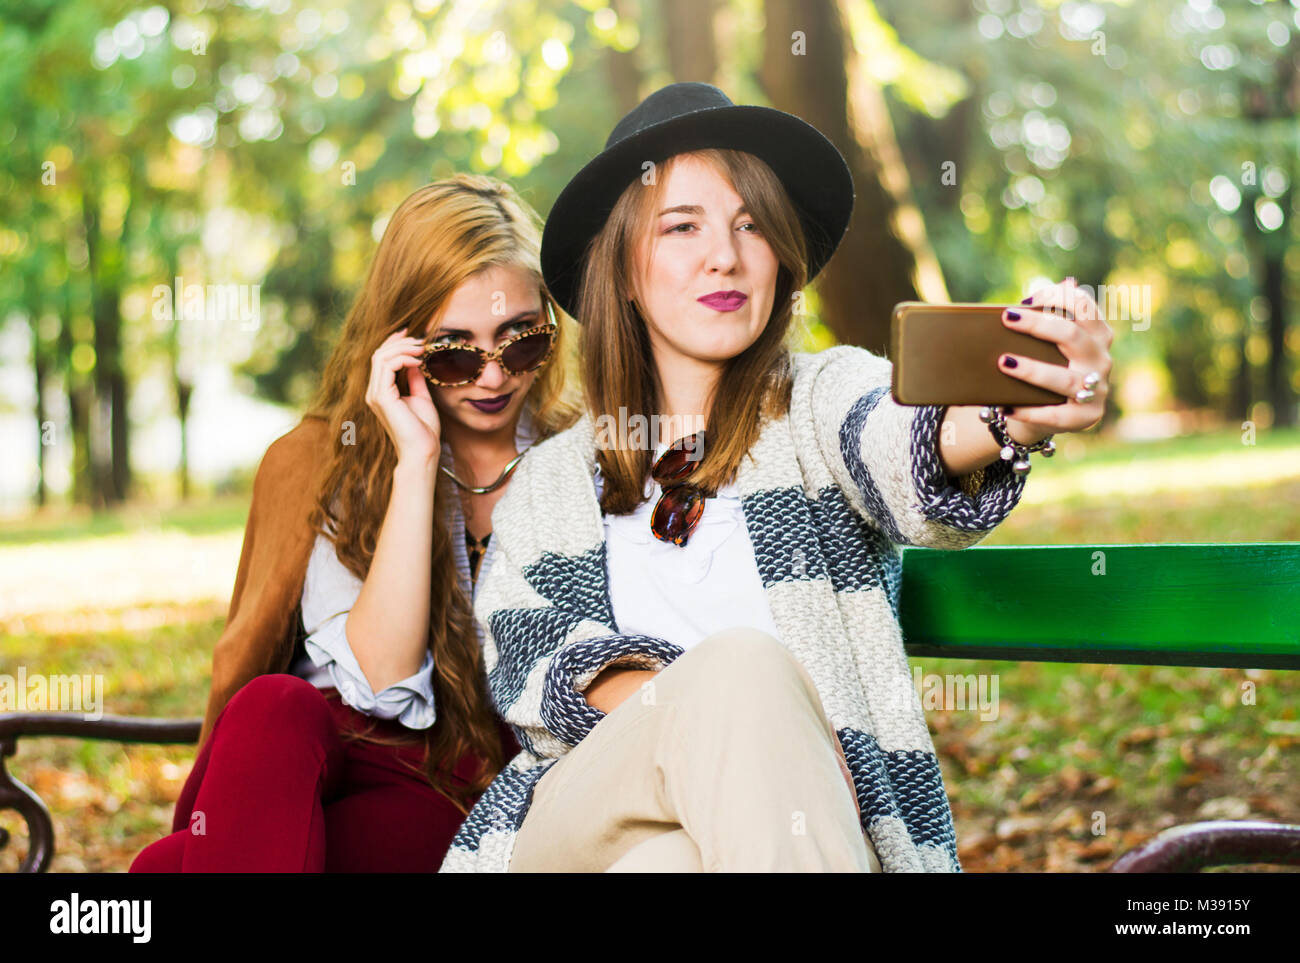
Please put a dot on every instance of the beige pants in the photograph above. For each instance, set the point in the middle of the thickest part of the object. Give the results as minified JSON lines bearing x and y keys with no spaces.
{"x":724,"y":762}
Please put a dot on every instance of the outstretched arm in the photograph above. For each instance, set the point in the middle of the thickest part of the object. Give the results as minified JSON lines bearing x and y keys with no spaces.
{"x":885,"y":457}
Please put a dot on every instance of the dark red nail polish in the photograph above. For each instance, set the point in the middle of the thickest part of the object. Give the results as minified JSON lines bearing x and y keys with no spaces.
{"x":1010,"y":411}
{"x":1028,"y":299}
{"x":1009,"y":361}
{"x":1013,"y":315}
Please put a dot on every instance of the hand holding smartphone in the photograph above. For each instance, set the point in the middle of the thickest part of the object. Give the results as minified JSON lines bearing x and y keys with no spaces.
{"x":947,"y":354}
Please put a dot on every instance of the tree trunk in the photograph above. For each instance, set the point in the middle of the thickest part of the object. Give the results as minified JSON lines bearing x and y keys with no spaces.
{"x":925,"y":140}
{"x":100,"y":494}
{"x":78,"y":407}
{"x":690,"y":39}
{"x":1242,"y":393}
{"x":1277,"y":385}
{"x":106,"y":269}
{"x":183,"y":392}
{"x":119,"y":423}
{"x":1280,"y":393}
{"x":106,"y":347}
{"x":182,"y":385}
{"x":622,"y":68}
{"x":1263,"y":104}
{"x":884,"y":257}
{"x":41,"y":369}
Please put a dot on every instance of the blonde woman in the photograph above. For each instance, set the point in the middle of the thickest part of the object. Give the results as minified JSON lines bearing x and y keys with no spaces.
{"x":360,"y":731}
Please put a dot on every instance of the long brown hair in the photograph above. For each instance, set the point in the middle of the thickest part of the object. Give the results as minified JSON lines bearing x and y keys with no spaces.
{"x":436,"y":239}
{"x":617,"y":364}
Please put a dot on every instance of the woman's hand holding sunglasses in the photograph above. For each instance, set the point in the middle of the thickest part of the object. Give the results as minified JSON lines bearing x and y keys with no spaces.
{"x":411,"y":420}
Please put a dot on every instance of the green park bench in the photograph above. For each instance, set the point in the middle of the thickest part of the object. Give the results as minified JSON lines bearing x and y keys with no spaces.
{"x":1219,"y":606}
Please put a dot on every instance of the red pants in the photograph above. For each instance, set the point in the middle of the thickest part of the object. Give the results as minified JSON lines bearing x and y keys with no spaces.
{"x":276,"y":788}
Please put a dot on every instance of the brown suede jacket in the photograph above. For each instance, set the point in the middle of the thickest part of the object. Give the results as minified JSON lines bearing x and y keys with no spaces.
{"x":261,"y":625}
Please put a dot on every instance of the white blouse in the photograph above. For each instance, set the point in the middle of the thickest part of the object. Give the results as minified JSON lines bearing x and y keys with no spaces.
{"x":684,"y":593}
{"x":328,"y":594}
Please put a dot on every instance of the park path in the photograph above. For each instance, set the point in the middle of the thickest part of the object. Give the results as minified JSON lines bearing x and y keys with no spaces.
{"x":115,"y":572}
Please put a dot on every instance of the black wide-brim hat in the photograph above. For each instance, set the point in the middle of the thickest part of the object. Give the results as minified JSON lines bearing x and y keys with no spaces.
{"x":686,"y":117}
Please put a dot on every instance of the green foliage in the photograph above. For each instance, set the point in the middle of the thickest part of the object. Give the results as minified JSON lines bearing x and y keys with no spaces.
{"x":1121,"y":143}
{"x":266,"y":143}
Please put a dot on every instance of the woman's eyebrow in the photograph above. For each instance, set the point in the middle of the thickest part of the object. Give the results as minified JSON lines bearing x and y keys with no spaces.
{"x":442,"y":332}
{"x":695,"y":209}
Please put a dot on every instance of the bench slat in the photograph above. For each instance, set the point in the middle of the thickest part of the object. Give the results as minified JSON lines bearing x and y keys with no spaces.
{"x":1216,"y":605}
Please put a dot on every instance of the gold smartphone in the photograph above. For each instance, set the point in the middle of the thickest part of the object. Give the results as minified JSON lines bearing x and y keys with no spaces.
{"x":947,"y":354}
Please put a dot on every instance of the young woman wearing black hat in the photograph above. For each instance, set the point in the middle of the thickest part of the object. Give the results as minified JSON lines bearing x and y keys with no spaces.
{"x":695,"y":634}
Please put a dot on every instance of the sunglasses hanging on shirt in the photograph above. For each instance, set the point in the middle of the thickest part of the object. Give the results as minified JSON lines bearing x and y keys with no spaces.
{"x":681,"y":504}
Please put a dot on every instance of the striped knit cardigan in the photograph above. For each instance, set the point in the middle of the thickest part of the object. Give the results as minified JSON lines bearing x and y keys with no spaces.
{"x":829,"y":493}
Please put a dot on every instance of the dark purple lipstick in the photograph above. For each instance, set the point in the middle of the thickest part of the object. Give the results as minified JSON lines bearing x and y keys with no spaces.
{"x":490,"y":406}
{"x":724,"y":300}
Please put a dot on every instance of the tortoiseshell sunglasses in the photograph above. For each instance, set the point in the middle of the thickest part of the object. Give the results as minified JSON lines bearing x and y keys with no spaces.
{"x":449,"y":364}
{"x":678,"y":511}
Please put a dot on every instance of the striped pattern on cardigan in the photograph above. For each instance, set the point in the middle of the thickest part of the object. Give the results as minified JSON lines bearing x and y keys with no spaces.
{"x":829,"y":493}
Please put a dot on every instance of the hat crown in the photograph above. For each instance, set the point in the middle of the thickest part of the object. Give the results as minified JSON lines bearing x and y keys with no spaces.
{"x":665,"y":104}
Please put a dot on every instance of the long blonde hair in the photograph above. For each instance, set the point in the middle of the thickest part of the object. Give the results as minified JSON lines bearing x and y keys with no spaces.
{"x":617,"y":364}
{"x":436,"y":239}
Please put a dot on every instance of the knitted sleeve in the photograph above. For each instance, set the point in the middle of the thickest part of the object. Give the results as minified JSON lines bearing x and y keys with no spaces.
{"x":547,"y":619}
{"x":885,"y":456}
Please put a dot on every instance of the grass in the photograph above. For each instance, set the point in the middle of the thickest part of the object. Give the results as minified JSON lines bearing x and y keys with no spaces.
{"x":1138,"y":747}
{"x":1109,"y":450}
{"x":1081,"y":763}
{"x":62,"y":524}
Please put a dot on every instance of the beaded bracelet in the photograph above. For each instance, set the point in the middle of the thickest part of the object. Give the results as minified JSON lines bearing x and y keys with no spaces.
{"x":996,"y":419}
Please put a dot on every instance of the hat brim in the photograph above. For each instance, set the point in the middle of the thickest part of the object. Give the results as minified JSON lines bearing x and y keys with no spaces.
{"x":813,"y":171}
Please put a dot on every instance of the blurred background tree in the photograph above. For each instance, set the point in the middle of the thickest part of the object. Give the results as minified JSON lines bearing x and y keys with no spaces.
{"x":995,"y":146}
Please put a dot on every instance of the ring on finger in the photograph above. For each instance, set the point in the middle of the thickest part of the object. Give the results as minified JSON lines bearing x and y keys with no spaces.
{"x":1086,"y":393}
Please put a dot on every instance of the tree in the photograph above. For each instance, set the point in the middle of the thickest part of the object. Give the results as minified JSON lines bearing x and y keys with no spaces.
{"x":1108,"y":142}
{"x":810,"y":69}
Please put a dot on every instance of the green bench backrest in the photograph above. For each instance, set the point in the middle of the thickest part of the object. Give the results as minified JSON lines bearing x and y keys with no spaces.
{"x":1234,"y":605}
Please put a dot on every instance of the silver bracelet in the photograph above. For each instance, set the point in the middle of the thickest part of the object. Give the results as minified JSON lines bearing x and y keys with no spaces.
{"x":996,"y":419}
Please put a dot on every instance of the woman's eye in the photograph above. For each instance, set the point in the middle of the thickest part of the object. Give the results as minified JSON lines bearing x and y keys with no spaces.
{"x":752,"y":225}
{"x":515,"y":329}
{"x":674,"y":228}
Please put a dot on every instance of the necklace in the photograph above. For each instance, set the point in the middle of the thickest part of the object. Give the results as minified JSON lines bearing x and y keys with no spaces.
{"x":477,"y":547}
{"x":501,"y":479}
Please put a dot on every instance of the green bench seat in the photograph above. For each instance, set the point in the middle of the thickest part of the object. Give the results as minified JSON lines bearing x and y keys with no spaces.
{"x":1222,"y":606}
